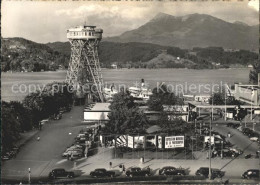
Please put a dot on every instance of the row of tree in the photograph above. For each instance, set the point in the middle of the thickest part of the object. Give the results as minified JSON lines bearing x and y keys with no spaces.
{"x":18,"y":117}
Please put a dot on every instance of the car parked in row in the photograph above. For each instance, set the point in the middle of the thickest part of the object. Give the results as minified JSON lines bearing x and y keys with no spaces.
{"x":60,"y":172}
{"x":170,"y":170}
{"x":233,"y":125}
{"x":102,"y":172}
{"x":251,"y":174}
{"x":204,"y":171}
{"x":136,"y":171}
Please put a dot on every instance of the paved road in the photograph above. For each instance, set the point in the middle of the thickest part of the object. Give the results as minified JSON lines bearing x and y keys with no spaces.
{"x":41,"y":156}
{"x":238,"y":139}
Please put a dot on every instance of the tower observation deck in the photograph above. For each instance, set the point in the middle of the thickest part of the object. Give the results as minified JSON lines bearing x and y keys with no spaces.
{"x":84,"y":72}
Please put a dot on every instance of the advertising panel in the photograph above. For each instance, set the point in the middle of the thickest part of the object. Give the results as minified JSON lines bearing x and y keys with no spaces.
{"x":159,"y":141}
{"x":150,"y":141}
{"x":174,"y":141}
{"x":138,"y":141}
{"x":121,"y":141}
{"x":130,"y":141}
{"x":206,"y":139}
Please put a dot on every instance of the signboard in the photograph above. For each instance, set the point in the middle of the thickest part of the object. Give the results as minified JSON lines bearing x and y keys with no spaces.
{"x":121,"y":141}
{"x":206,"y":139}
{"x":96,"y":116}
{"x":150,"y":141}
{"x":159,"y":141}
{"x":139,"y":142}
{"x":174,"y":141}
{"x":130,"y":141}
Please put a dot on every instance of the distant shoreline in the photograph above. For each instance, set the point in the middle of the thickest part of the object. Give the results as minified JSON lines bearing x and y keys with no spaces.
{"x":135,"y":69}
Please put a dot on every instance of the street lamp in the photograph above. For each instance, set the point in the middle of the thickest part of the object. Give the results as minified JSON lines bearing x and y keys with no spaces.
{"x":29,"y":175}
{"x":222,"y":149}
{"x":225,"y":106}
{"x":252,"y":94}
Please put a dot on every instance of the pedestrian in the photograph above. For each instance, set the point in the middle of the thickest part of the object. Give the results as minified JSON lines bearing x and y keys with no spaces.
{"x":38,"y":138}
{"x":123,"y":168}
{"x":110,"y":165}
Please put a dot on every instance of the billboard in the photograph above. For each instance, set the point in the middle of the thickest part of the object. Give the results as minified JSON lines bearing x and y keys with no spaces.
{"x":138,"y":141}
{"x":121,"y":141}
{"x":206,"y":139}
{"x":159,"y":141}
{"x":174,"y":141}
{"x":96,"y":116}
{"x":130,"y":141}
{"x":150,"y":141}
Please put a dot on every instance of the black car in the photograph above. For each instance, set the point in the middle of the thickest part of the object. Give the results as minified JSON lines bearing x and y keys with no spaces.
{"x":102,"y":172}
{"x":170,"y":170}
{"x":204,"y":171}
{"x":251,"y":174}
{"x":136,"y":171}
{"x":60,"y":172}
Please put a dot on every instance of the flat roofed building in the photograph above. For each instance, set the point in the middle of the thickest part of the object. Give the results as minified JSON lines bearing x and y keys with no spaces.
{"x":249,"y":94}
{"x":99,"y":112}
{"x":84,"y":32}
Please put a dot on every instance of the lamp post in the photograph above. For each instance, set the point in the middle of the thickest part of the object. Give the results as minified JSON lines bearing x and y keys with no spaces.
{"x":195,"y":125}
{"x":222,"y":149}
{"x":252,"y":94}
{"x":225,"y":106}
{"x":29,"y":175}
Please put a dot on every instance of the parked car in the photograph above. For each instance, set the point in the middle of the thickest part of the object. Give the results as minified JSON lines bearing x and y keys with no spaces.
{"x":136,"y":171}
{"x":204,"y":171}
{"x":60,"y":172}
{"x":254,"y":138}
{"x":251,"y":174}
{"x":102,"y":172}
{"x":248,"y":156}
{"x":74,"y":153}
{"x":170,"y":170}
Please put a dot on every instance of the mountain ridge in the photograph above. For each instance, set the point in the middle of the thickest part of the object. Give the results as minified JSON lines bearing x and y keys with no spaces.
{"x":193,"y":30}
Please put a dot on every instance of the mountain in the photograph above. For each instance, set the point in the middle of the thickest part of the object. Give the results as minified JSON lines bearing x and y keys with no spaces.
{"x":194,"y":30}
{"x":19,"y":54}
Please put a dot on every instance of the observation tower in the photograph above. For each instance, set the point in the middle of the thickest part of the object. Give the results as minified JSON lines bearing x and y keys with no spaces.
{"x":84,"y":72}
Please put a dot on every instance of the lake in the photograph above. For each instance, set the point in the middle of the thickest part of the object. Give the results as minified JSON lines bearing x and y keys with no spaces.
{"x":15,"y":86}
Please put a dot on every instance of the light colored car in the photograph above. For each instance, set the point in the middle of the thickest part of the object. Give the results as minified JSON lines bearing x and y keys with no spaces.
{"x":254,"y":139}
{"x":75,"y":153}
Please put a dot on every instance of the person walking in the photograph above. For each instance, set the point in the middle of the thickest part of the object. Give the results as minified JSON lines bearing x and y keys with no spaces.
{"x":38,"y":138}
{"x":110,"y":165}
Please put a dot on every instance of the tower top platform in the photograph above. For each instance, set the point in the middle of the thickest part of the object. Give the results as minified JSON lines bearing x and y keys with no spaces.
{"x":84,"y":32}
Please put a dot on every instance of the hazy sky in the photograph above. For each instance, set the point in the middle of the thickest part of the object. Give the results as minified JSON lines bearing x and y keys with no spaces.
{"x":48,"y":21}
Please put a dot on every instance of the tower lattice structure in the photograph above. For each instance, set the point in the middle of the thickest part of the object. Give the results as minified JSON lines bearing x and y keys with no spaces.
{"x":84,"y":68}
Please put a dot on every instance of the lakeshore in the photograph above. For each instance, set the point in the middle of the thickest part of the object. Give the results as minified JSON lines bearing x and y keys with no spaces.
{"x":129,"y":77}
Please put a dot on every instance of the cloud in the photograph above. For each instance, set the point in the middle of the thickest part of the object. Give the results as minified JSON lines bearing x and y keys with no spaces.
{"x":48,"y":21}
{"x":254,"y":4}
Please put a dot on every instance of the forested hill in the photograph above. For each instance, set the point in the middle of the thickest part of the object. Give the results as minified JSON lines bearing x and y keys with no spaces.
{"x":134,"y":54}
{"x":19,"y":54}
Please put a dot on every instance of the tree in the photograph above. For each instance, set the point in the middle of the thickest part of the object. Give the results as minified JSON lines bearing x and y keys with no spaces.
{"x":9,"y":127}
{"x":125,"y":116}
{"x":253,"y":75}
{"x":23,"y":115}
{"x":162,"y":96}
